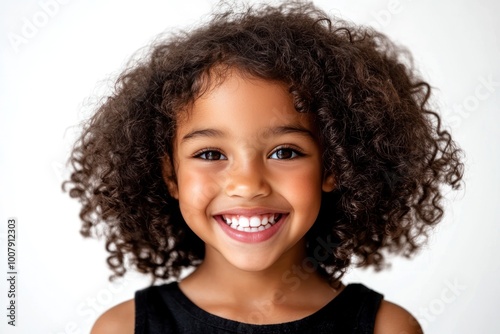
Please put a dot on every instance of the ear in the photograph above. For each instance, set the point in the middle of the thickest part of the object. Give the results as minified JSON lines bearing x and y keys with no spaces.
{"x":328,"y":183}
{"x":169,"y":178}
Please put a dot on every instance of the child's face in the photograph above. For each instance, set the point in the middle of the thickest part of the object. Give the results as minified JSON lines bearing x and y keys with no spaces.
{"x":246,"y":156}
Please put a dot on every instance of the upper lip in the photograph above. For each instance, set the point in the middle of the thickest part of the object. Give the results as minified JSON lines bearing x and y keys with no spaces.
{"x":248,"y":212}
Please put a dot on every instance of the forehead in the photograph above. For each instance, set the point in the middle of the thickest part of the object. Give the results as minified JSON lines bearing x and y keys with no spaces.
{"x":239,"y":99}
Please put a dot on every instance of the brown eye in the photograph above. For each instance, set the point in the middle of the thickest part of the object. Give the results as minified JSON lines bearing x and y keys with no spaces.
{"x":211,"y":155}
{"x":285,"y":153}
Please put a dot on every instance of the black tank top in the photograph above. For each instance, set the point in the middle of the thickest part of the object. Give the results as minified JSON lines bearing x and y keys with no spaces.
{"x":165,"y":309}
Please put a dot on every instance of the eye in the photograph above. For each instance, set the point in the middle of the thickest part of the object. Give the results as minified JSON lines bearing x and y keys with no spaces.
{"x":210,"y":155}
{"x":285,"y":153}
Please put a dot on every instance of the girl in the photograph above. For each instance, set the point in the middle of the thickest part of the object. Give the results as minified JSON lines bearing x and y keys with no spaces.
{"x":267,"y":150}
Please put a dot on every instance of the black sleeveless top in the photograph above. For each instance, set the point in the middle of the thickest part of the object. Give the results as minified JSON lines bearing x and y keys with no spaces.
{"x":165,"y":309}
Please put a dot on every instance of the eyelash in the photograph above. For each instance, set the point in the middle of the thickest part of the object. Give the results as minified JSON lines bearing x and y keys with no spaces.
{"x":298,"y":153}
{"x":295,"y":153}
{"x":208,"y":150}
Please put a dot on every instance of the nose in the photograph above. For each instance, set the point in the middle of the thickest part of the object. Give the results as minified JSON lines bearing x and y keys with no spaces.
{"x":247,"y":180}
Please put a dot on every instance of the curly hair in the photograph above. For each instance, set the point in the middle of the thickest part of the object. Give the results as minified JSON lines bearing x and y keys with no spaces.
{"x":380,"y":139}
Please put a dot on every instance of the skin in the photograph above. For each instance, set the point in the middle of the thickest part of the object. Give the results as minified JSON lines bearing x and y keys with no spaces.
{"x":230,"y":156}
{"x":253,"y":166}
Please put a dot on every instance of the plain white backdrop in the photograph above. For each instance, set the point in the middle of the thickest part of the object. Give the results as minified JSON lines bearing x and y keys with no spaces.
{"x":57,"y":58}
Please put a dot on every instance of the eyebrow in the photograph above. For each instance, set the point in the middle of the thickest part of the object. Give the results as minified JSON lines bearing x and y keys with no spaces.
{"x":202,"y":133}
{"x":274,"y":131}
{"x":286,"y":129}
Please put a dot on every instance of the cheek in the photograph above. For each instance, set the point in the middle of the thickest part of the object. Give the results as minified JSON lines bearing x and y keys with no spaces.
{"x":303,"y":190}
{"x":196,"y":189}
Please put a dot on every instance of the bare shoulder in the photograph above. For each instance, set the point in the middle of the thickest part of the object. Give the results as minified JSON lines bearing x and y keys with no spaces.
{"x":393,"y":319}
{"x":117,"y":320}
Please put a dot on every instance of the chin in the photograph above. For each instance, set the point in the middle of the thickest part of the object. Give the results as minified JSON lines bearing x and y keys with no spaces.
{"x":251,"y":263}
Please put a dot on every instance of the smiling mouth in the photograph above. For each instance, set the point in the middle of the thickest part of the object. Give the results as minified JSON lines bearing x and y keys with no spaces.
{"x":254,"y":223}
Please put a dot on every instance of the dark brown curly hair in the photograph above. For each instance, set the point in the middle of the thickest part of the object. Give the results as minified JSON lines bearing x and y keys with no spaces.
{"x":381,"y":140}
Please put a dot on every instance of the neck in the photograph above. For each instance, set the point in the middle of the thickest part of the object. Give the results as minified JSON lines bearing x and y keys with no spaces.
{"x":284,"y":291}
{"x":285,"y":279}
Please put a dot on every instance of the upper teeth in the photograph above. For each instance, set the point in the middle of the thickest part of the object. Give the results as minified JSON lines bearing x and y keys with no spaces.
{"x":253,"y":223}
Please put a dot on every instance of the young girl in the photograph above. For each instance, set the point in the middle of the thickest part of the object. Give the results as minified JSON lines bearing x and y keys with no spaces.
{"x":268,"y":150}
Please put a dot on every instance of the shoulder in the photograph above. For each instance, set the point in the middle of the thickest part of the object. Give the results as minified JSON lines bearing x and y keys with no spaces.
{"x":393,"y":319}
{"x":119,"y":319}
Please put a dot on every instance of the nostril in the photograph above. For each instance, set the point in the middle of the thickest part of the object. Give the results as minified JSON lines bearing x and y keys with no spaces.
{"x":247,"y":187}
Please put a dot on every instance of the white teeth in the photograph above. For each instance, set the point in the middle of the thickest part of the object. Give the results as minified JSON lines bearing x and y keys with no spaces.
{"x":254,"y":222}
{"x":251,"y":224}
{"x":244,"y":222}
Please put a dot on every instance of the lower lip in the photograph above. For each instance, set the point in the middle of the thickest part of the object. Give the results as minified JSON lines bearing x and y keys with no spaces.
{"x":252,"y":237}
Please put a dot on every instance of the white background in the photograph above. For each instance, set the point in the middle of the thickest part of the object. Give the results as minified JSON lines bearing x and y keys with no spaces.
{"x":52,"y":74}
